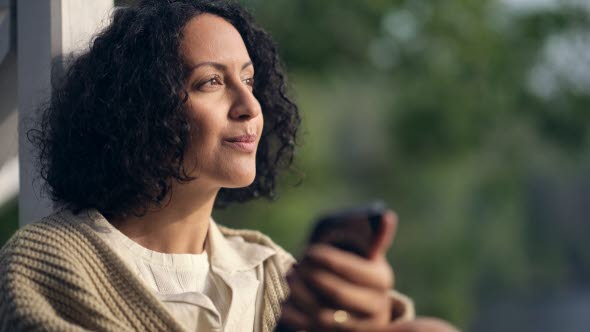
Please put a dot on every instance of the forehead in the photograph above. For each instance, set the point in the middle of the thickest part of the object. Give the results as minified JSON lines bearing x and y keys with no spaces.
{"x":209,"y":37}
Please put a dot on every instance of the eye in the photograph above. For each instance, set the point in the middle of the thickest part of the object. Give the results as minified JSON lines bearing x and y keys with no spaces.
{"x":249,"y":81}
{"x":209,"y":84}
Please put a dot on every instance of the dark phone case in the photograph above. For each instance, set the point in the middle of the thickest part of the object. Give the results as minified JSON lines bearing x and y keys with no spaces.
{"x":353,"y":230}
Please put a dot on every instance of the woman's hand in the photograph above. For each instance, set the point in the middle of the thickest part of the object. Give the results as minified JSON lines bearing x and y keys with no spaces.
{"x":334,"y":290}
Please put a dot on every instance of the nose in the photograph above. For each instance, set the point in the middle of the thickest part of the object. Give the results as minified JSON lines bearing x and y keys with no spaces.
{"x":244,"y":106}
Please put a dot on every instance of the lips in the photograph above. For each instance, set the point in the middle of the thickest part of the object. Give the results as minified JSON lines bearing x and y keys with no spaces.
{"x":247,"y":138}
{"x":243,"y":143}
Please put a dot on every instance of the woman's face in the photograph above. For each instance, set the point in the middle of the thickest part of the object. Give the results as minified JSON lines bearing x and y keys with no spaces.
{"x":225,"y":117}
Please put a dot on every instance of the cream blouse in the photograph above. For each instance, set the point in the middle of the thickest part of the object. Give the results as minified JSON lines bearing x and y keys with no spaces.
{"x":218,"y":290}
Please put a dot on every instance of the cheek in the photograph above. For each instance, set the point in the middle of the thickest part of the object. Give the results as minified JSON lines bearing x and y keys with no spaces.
{"x":205,"y":132}
{"x":206,"y":119}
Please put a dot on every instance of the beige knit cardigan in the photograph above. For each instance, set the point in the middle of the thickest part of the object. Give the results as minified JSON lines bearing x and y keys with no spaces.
{"x":58,"y":275}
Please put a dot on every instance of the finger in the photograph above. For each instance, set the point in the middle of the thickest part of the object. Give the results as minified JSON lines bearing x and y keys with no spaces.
{"x":301,"y":296}
{"x":356,"y":269}
{"x":293,"y":319}
{"x":385,"y":236}
{"x":322,"y":321}
{"x":326,"y":322}
{"x":426,"y":324}
{"x":340,"y":293}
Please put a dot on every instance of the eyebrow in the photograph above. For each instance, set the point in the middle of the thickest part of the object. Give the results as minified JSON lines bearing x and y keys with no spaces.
{"x":217,"y":65}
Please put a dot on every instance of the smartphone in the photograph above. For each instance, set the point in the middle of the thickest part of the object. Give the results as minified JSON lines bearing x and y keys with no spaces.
{"x":353,"y":229}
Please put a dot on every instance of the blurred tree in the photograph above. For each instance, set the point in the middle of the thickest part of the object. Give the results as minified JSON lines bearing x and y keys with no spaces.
{"x":442,"y":108}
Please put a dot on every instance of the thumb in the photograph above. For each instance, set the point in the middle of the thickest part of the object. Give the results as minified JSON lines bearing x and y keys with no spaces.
{"x":387,"y":230}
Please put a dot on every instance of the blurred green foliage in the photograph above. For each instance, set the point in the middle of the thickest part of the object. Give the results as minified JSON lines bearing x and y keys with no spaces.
{"x":8,"y":220}
{"x":457,"y":115}
{"x":435,"y":107}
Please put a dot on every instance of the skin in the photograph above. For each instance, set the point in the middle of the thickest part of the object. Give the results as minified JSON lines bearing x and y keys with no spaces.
{"x":221,"y":105}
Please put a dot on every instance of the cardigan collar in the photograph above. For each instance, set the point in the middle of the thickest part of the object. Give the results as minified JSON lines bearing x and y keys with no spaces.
{"x":226,"y":252}
{"x":233,"y":253}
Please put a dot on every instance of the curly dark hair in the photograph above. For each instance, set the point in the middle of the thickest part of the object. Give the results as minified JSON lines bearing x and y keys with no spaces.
{"x":114,"y":133}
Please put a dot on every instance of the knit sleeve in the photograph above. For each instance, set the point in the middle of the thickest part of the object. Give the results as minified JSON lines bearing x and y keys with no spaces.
{"x":41,"y":288}
{"x":24,"y":306}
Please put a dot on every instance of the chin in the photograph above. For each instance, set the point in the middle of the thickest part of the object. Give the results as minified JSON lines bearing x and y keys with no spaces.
{"x":242,"y":181}
{"x":243,"y":184}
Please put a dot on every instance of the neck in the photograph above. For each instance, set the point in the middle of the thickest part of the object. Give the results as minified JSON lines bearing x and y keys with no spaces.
{"x":180,"y":227}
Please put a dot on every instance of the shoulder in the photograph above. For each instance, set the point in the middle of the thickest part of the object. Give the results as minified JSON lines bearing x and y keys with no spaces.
{"x":54,"y":230}
{"x":59,"y":242}
{"x":39,"y":232}
{"x":44,"y":244}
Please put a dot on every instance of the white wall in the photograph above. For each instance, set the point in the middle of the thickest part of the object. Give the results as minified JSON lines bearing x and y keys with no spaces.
{"x":46,"y":30}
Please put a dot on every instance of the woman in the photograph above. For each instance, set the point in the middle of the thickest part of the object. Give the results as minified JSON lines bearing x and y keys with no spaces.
{"x":159,"y":121}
